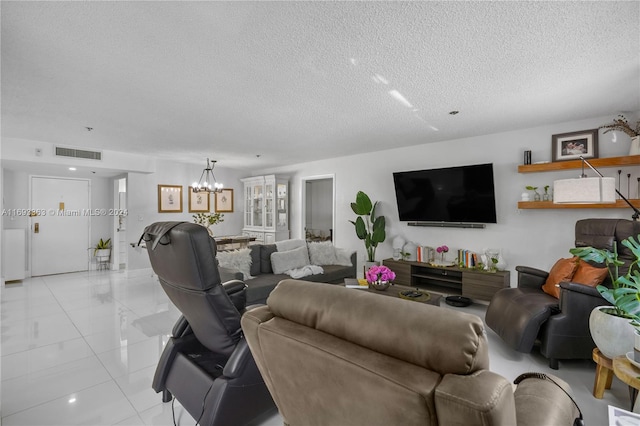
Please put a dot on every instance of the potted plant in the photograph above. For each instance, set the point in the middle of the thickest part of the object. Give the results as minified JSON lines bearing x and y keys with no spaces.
{"x":369,"y":227}
{"x":102,"y":251}
{"x":545,"y":196}
{"x":622,"y":125}
{"x":536,"y":196}
{"x":606,"y":323}
{"x":208,"y":219}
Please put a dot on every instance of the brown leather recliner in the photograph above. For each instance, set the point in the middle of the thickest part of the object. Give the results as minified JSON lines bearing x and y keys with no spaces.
{"x":525,"y":315}
{"x":206,"y":364}
{"x":337,"y":356}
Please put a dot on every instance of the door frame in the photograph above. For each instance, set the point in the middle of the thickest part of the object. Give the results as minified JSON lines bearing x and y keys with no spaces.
{"x":303,"y":201}
{"x":30,"y":229}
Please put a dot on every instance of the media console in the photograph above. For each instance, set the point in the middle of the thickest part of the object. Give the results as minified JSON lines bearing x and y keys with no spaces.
{"x":471,"y":283}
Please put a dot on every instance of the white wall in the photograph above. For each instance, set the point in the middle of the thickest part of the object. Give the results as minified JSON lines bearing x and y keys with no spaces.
{"x":527,"y":237}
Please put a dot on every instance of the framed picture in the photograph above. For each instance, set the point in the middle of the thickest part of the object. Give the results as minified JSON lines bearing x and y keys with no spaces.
{"x":570,"y":146}
{"x":198,"y":201}
{"x":224,"y":201}
{"x":169,"y":198}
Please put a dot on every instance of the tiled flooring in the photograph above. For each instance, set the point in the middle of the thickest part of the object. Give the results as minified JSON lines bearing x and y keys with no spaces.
{"x":81,"y":349}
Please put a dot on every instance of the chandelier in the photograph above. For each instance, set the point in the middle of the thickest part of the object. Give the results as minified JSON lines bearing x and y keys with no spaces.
{"x":207,"y":182}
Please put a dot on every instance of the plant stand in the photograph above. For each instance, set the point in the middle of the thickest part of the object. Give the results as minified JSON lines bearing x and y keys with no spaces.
{"x":103,"y":256}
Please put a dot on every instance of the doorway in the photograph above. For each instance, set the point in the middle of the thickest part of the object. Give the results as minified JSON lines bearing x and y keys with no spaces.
{"x":59,"y":225}
{"x":318,"y":208}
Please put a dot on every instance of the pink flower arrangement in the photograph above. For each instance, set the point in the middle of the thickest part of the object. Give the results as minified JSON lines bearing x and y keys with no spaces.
{"x":442,"y":249}
{"x":380,"y":273}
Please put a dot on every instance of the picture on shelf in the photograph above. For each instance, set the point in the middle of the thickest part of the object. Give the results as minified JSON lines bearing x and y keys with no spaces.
{"x":571,"y":146}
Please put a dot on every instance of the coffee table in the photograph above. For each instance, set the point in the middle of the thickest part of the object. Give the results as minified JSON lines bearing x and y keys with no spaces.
{"x":394,"y":291}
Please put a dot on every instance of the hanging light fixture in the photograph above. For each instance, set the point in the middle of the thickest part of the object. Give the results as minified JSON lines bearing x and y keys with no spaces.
{"x":207,"y":182}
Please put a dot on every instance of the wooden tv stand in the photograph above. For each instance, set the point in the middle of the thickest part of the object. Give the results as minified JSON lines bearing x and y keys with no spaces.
{"x":471,"y":283}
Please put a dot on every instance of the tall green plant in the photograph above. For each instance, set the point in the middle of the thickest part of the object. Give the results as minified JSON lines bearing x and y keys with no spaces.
{"x":369,"y":228}
{"x":624,"y":294}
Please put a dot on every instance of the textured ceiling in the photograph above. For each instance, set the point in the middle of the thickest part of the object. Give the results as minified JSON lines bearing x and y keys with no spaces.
{"x":297,"y":81}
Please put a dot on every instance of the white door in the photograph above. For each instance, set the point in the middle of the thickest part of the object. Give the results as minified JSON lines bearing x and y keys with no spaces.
{"x":60,"y":228}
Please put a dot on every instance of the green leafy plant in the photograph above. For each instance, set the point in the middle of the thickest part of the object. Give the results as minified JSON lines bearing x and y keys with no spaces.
{"x":546,"y":189}
{"x":369,"y":227}
{"x":208,"y":219}
{"x":532,"y":188}
{"x":102,"y":245}
{"x":624,"y":294}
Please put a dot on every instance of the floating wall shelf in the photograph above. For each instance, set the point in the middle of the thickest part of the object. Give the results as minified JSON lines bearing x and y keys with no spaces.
{"x":627,"y":160}
{"x":620,"y":204}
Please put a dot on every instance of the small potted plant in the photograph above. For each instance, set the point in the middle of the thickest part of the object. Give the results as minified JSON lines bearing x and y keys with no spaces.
{"x":545,"y":196}
{"x":536,"y":196}
{"x":380,"y":277}
{"x":102,"y":250}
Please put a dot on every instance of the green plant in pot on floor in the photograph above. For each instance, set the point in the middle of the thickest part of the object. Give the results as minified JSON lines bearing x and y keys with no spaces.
{"x":624,"y":295}
{"x":369,"y":227}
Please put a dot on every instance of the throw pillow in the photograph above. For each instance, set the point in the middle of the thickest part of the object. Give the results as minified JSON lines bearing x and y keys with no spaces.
{"x":589,"y":275}
{"x":322,"y":253}
{"x":255,"y":259}
{"x":282,"y":261}
{"x":563,"y":270}
{"x":265,"y":258}
{"x":239,"y":260}
{"x":286,"y":245}
{"x":343,"y":257}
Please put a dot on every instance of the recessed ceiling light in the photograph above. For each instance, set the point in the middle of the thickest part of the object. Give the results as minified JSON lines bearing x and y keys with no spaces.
{"x":454,"y":112}
{"x":73,"y":169}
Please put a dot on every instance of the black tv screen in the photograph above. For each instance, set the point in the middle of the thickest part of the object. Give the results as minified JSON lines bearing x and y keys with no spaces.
{"x":463,"y":194}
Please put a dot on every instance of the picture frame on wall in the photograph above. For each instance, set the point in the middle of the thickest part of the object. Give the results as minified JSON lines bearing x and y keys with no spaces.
{"x":169,"y":198}
{"x":199,"y":202}
{"x":570,"y":146}
{"x":224,"y":201}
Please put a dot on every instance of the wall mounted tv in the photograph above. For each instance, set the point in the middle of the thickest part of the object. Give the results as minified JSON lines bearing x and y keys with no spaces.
{"x":451,"y":196}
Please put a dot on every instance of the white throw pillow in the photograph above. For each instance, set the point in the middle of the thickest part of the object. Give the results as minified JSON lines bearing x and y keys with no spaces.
{"x":239,"y":260}
{"x":343,"y":257}
{"x":322,"y":253}
{"x":286,"y":245}
{"x":282,"y":261}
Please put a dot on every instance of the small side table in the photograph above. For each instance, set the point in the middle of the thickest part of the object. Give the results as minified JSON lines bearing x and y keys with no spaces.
{"x":604,"y":373}
{"x":630,"y":375}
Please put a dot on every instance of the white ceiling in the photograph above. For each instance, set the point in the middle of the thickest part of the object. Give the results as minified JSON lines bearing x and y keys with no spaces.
{"x":297,"y":81}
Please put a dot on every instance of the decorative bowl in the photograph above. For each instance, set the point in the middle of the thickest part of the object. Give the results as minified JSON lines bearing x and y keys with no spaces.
{"x":379,"y":285}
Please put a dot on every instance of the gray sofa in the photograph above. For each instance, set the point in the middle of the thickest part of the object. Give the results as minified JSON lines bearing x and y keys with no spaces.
{"x":265,"y":280}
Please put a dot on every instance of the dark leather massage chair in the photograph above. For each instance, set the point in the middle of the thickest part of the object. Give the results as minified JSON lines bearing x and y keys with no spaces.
{"x":525,"y":315}
{"x":206,"y":364}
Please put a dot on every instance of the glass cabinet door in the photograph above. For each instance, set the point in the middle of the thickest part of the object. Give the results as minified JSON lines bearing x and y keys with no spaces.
{"x":257,"y":205}
{"x":248,"y":203}
{"x":282,"y":202}
{"x":268,"y":206}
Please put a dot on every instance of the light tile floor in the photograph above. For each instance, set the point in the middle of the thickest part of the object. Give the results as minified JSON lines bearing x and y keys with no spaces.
{"x":81,"y":349}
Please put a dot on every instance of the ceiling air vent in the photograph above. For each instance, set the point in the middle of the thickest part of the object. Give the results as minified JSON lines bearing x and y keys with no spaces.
{"x":78,"y":153}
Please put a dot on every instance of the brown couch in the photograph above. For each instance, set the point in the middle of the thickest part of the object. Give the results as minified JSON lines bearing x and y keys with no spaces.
{"x":332,"y":355}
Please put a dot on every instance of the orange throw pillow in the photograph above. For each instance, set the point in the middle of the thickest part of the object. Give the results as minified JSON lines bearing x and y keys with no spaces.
{"x":589,"y":275}
{"x":563,"y":270}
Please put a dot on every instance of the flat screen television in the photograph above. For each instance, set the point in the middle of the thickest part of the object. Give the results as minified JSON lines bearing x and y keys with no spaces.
{"x":463,"y":194}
